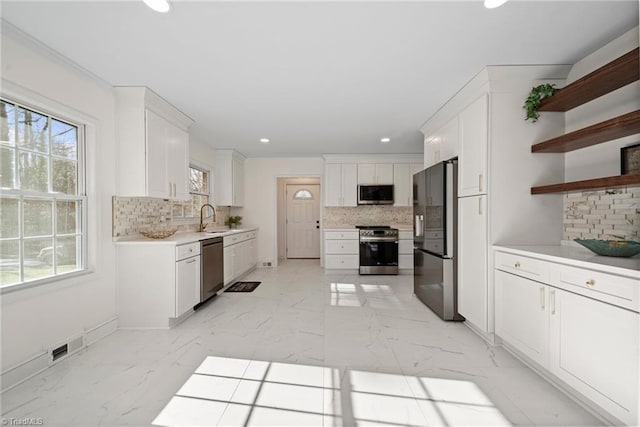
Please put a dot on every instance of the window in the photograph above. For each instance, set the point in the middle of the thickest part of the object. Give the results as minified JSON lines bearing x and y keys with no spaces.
{"x":303,"y":195}
{"x":199,"y":190}
{"x":42,"y":196}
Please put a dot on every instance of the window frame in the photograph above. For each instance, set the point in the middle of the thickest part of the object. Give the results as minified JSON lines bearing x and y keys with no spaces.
{"x":81,"y":196}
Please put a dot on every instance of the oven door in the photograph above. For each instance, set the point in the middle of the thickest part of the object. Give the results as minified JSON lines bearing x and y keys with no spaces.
{"x":378,"y":256}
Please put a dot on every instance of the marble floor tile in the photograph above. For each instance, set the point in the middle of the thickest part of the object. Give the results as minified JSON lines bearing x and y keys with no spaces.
{"x":305,"y":348}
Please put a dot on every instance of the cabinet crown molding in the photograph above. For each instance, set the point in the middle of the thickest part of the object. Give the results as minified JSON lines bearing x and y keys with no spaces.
{"x":373,"y":158}
{"x":149,"y":99}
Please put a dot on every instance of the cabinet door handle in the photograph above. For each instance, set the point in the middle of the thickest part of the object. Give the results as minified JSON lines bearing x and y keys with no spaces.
{"x":552,"y":298}
{"x":192,"y":261}
{"x":590,"y":283}
{"x":517,"y":264}
{"x":479,"y":206}
{"x":480,"y":183}
{"x":542,"y":298}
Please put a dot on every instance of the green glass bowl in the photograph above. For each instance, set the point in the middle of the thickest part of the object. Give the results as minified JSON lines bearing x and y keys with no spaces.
{"x":620,"y":248}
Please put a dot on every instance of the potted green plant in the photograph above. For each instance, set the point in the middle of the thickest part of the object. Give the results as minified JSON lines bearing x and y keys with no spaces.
{"x":233,"y":221}
{"x":537,"y":94}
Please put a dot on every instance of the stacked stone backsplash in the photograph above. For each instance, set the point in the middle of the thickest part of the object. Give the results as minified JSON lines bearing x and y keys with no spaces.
{"x":131,"y":215}
{"x":367,"y":215}
{"x":605,"y":214}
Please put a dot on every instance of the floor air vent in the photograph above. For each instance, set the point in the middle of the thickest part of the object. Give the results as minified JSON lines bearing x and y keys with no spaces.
{"x":57,"y":353}
{"x":66,"y":349}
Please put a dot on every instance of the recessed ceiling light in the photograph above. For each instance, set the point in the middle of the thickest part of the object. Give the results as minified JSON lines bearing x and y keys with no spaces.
{"x":492,"y":4}
{"x":385,"y":140}
{"x":162,"y":6}
{"x":264,"y":140}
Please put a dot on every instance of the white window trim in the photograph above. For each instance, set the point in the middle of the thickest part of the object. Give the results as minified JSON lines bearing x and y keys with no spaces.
{"x":88,"y":125}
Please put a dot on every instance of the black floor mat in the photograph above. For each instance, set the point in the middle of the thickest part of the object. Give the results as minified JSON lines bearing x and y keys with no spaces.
{"x":243,"y":287}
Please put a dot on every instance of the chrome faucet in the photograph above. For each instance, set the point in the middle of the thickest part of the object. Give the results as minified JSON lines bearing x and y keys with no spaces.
{"x":202,"y":225}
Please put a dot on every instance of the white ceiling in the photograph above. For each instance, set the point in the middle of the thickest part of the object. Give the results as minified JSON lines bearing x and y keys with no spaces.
{"x":314,"y":77}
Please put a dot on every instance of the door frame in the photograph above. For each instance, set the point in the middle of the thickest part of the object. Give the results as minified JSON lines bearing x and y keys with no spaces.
{"x":304,"y":179}
{"x":286,"y":217}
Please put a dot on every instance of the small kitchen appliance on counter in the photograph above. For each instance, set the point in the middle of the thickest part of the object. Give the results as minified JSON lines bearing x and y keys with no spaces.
{"x":435,"y":213}
{"x":378,"y":249}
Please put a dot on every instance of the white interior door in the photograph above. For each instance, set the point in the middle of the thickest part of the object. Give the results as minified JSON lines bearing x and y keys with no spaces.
{"x":303,"y":221}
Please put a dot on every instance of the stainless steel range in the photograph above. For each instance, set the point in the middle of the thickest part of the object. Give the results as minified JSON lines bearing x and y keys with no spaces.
{"x":378,"y":249}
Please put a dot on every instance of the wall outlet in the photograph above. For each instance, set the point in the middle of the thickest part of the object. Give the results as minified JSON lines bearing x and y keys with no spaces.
{"x":266,"y":264}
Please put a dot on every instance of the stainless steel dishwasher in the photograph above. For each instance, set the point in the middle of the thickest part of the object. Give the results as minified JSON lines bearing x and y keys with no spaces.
{"x":212,"y":265}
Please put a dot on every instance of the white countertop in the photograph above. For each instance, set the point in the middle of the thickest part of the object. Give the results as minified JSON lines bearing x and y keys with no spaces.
{"x":183,"y":237}
{"x":579,"y":257}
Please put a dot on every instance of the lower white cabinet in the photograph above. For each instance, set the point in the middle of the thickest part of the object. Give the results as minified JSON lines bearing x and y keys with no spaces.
{"x":567,"y":328}
{"x":187,"y":284}
{"x":405,"y":250}
{"x":342,"y":249}
{"x":522,"y":316}
{"x":158,"y":283}
{"x":240,"y":254}
{"x":594,"y":349}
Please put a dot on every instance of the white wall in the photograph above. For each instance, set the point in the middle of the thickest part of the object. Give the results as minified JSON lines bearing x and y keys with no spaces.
{"x":202,"y":154}
{"x":36,"y":318}
{"x":604,"y":159}
{"x":260,"y":195}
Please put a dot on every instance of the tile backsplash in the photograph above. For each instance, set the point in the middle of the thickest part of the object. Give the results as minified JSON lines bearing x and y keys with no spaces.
{"x":367,"y":215}
{"x":612,"y":214}
{"x":131,"y":215}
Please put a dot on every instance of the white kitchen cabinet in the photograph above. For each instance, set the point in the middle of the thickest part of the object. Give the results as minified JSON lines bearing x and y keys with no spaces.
{"x":341,"y":184}
{"x":472,"y":260}
{"x":153,"y":139}
{"x":579,"y":324}
{"x":240,"y":254}
{"x":229,"y":178}
{"x":342,"y":249}
{"x":375,"y":173}
{"x":443,"y":144}
{"x":403,"y":182}
{"x":405,"y":249}
{"x":594,"y":348}
{"x":187,"y":284}
{"x":472,"y":163}
{"x":158,"y":283}
{"x":522,"y":316}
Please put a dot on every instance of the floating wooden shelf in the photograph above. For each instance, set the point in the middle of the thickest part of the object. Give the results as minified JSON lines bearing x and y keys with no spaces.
{"x":589,"y":184}
{"x":618,"y":127}
{"x":614,"y":75}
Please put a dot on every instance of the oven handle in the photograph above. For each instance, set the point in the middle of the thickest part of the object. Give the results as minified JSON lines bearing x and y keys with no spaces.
{"x":379,"y":239}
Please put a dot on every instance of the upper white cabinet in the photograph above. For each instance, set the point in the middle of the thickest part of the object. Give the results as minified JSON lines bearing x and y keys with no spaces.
{"x":153,"y":145}
{"x":377,"y":173}
{"x":229,"y":178}
{"x":472,"y":162}
{"x":403,"y":182}
{"x":443,"y":144}
{"x":341,"y":184}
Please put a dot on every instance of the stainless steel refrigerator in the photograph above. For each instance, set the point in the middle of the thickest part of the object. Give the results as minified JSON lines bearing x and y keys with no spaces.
{"x":435,"y":218}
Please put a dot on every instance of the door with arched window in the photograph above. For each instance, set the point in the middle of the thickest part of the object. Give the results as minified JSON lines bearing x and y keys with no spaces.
{"x":303,"y":221}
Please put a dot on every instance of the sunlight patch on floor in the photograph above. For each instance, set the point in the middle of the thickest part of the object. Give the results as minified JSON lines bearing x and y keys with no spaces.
{"x":239,"y":392}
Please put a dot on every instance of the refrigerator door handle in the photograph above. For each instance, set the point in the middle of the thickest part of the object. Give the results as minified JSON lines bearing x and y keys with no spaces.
{"x":419,"y":224}
{"x":450,"y":201}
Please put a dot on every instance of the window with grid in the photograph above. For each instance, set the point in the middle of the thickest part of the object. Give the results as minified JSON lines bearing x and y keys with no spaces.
{"x":199,"y":191}
{"x":42,"y":195}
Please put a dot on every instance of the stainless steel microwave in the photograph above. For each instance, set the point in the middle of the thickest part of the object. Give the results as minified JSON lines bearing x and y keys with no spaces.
{"x":375,"y":194}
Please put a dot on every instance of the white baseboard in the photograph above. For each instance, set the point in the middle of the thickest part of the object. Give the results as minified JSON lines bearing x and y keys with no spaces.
{"x":21,"y":372}
{"x":101,"y":331}
{"x":489,"y":337}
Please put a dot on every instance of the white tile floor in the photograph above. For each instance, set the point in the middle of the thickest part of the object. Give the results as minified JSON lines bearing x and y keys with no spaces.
{"x":305,"y":348}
